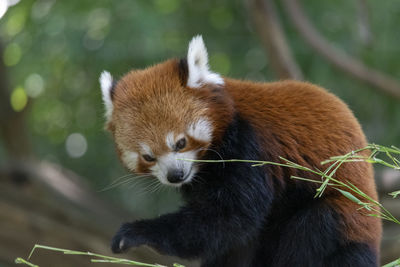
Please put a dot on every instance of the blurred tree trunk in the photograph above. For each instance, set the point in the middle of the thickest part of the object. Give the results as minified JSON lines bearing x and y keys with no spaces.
{"x":268,"y":27}
{"x":12,"y":123}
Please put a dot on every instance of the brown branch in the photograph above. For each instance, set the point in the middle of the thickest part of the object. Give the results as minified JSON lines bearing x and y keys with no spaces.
{"x":62,"y":184}
{"x":267,"y":25}
{"x":337,"y":57}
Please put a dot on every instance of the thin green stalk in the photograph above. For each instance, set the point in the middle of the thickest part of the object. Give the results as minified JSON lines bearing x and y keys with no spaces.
{"x":309,"y":180}
{"x":22,"y":261}
{"x":99,"y":257}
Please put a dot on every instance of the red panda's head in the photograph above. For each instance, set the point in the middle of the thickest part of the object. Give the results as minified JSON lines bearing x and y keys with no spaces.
{"x":165,"y":113}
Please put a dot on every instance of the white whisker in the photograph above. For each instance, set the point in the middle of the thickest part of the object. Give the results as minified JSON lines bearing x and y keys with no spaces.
{"x":116,"y":182}
{"x":123,"y":180}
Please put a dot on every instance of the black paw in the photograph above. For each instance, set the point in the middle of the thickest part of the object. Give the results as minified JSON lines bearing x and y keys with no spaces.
{"x":125,"y":238}
{"x":118,"y":244}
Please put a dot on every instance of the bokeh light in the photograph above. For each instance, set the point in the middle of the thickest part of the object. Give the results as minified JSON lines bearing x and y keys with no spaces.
{"x":255,"y":59}
{"x":34,"y":85}
{"x":41,"y":9}
{"x":76,"y":145}
{"x":18,"y":99}
{"x":16,"y":23}
{"x":12,"y":54}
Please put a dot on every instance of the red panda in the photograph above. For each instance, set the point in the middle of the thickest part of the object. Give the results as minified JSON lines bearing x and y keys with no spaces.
{"x":236,"y":214}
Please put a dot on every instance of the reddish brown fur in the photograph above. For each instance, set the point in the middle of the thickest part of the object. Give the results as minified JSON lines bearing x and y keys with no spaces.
{"x":295,"y":120}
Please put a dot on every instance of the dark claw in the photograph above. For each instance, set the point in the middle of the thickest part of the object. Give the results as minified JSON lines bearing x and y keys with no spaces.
{"x":125,"y":238}
{"x":118,"y":244}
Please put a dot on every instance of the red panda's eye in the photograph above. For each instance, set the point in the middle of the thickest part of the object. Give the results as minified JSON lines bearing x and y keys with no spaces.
{"x":148,"y":158}
{"x":180,"y":144}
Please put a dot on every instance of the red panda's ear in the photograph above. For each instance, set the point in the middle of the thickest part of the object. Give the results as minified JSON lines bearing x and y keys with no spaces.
{"x":198,"y":70}
{"x":106,"y":84}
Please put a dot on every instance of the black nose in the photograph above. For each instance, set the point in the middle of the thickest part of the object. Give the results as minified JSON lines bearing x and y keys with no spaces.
{"x":175,"y":176}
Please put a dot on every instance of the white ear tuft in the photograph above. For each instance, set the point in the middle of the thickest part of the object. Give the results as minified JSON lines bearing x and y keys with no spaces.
{"x":106,"y":84}
{"x":201,"y":130}
{"x":197,"y":60}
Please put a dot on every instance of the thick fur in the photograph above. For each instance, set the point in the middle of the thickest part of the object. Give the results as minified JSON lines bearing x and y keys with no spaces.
{"x":236,"y":214}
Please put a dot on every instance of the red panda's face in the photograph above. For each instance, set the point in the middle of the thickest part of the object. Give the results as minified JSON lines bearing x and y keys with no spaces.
{"x":168,"y":159}
{"x":158,"y":127}
{"x":160,"y":119}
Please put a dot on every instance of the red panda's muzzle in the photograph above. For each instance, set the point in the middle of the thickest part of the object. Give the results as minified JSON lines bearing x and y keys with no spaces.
{"x":176,"y":176}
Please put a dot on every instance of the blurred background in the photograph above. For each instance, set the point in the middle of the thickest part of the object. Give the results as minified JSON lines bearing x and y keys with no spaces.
{"x":61,"y":183}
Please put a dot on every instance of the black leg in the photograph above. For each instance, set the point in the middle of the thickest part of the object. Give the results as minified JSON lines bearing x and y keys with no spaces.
{"x":307,"y":237}
{"x":240,"y":256}
{"x":353,"y":255}
{"x":227,"y":219}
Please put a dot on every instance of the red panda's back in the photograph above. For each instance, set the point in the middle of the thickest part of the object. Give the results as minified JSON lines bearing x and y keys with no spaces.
{"x":302,"y":115}
{"x":307,"y":124}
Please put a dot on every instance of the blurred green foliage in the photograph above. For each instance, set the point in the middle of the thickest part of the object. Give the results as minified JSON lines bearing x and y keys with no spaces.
{"x":55,"y":51}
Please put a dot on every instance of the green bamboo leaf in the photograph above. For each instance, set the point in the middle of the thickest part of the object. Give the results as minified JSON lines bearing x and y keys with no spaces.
{"x":395,"y":194}
{"x":350,"y":196}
